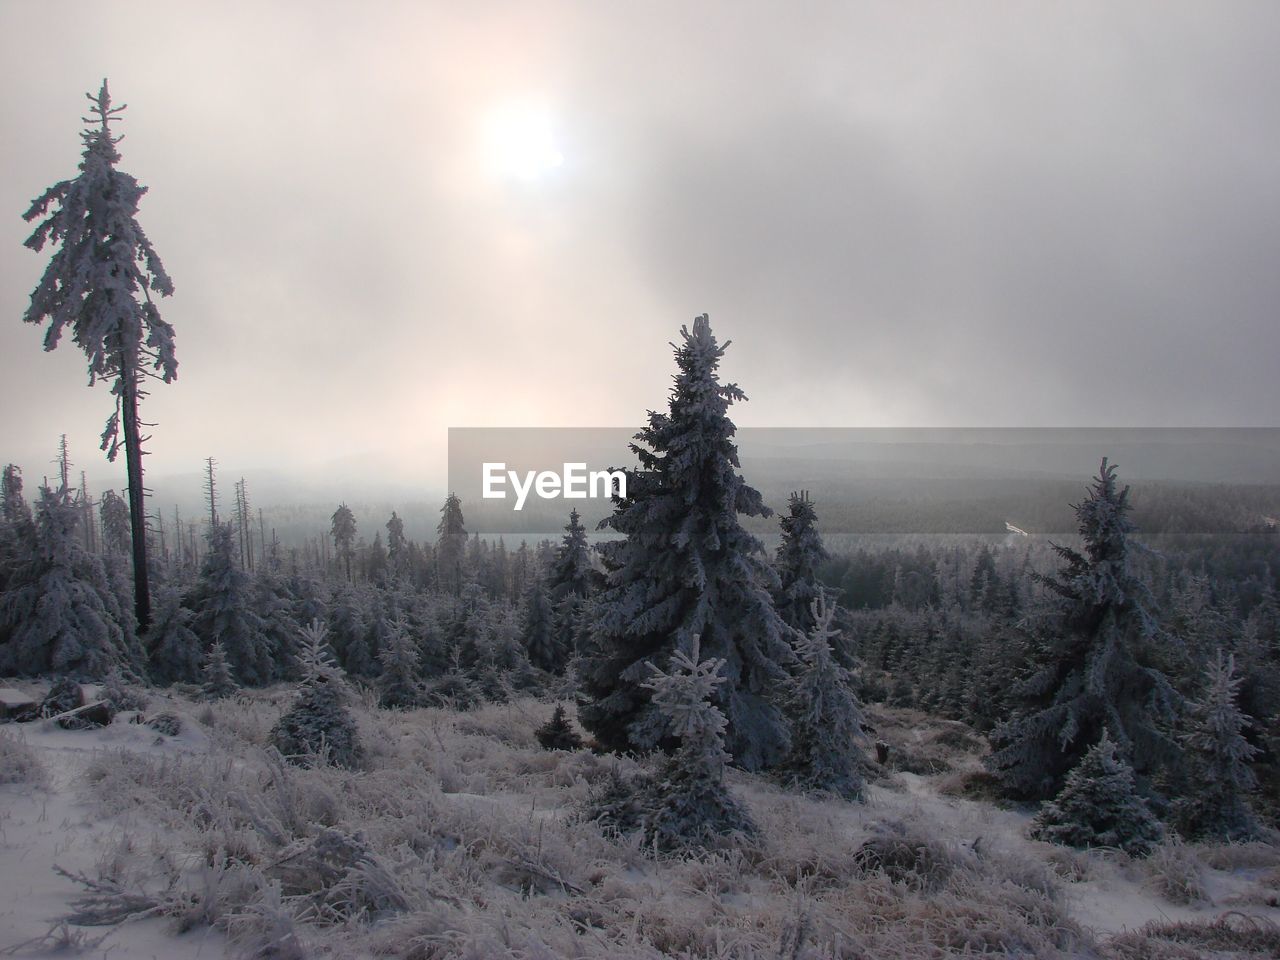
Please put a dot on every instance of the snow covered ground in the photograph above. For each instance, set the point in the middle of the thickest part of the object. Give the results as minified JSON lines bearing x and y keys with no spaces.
{"x":50,"y":827}
{"x":460,"y":840}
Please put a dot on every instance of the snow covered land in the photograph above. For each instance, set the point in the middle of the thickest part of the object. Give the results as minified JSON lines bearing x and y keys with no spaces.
{"x":462,"y":837}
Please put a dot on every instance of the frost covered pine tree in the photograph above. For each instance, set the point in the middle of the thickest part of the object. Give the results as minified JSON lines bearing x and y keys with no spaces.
{"x":17,"y":537}
{"x":173,"y":649}
{"x":400,"y":683}
{"x":348,"y":619}
{"x":219,"y":682}
{"x":558,"y":733}
{"x":1218,"y":754}
{"x":224,"y":604}
{"x":572,"y":572}
{"x":61,"y":613}
{"x":546,"y":648}
{"x":397,"y":547}
{"x":686,"y":567}
{"x":572,"y":581}
{"x":343,"y":532}
{"x":1094,"y":663}
{"x":826,"y":719}
{"x":1099,"y":806}
{"x":692,"y":808}
{"x":800,"y":553}
{"x":318,"y":728}
{"x":99,"y":283}
{"x":451,"y":547}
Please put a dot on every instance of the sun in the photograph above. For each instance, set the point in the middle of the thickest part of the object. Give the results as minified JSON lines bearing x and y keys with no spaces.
{"x":520,"y":141}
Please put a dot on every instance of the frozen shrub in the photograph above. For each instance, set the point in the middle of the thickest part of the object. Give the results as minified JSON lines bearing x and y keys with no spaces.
{"x":1253,"y":855}
{"x":1069,"y":865}
{"x":1099,"y":807}
{"x":122,"y":694}
{"x":168,"y":724}
{"x":907,"y":856}
{"x":267,"y":927}
{"x":1174,"y":872}
{"x":558,"y":733}
{"x":621,"y":803}
{"x":338,"y":873}
{"x":1232,"y":934}
{"x":19,"y":763}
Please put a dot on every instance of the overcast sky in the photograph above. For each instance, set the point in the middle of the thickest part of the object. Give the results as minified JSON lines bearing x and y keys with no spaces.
{"x":386,"y":219}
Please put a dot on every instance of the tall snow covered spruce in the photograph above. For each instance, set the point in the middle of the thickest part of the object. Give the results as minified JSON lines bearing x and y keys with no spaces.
{"x":343,"y":532}
{"x":226,"y":613}
{"x":545,"y":646}
{"x":99,"y":283}
{"x":1094,"y":667}
{"x":826,"y":719}
{"x":451,"y":547}
{"x":686,"y":568}
{"x":571,"y":571}
{"x":800,"y":552}
{"x":572,"y":581}
{"x":1217,"y":804}
{"x":17,"y":542}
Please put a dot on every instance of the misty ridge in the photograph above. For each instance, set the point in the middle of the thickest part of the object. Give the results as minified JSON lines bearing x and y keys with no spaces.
{"x":805,"y":693}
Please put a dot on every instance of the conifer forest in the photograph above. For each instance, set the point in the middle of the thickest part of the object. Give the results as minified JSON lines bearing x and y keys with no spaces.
{"x":270,"y":689}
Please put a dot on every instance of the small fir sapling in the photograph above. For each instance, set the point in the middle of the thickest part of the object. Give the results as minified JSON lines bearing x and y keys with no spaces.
{"x":558,"y":733}
{"x":800,"y":553}
{"x":318,"y":729}
{"x":219,"y":682}
{"x":827,"y":725}
{"x":1217,"y":806}
{"x":1099,"y":807}
{"x":399,"y":685}
{"x":692,"y":808}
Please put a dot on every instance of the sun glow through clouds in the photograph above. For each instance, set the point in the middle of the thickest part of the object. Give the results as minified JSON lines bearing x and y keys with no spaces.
{"x":520,"y":141}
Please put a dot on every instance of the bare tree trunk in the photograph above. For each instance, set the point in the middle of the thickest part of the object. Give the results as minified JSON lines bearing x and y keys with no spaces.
{"x":137,"y":499}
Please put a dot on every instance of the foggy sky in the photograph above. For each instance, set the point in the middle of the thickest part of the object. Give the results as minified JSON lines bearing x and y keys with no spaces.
{"x":903,"y":214}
